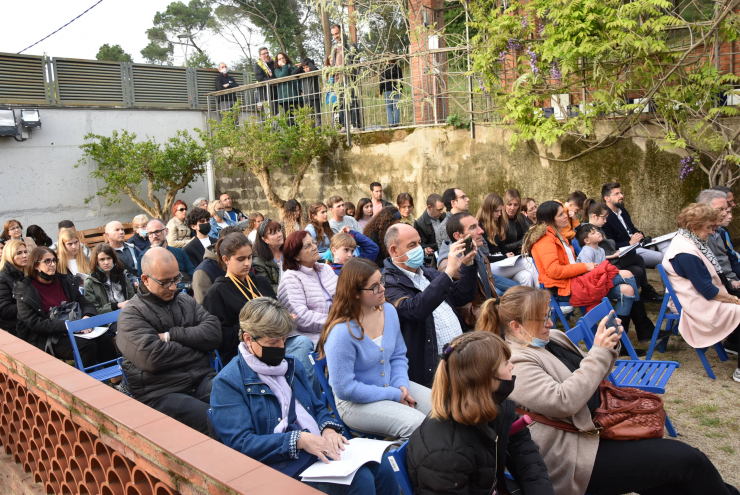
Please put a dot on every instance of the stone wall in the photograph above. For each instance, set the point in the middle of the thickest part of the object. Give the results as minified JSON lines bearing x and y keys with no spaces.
{"x":429,"y":160}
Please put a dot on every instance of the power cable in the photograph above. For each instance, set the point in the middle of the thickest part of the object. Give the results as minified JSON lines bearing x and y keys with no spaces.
{"x":70,"y":22}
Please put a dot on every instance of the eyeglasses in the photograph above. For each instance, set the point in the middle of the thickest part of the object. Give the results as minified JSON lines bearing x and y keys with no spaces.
{"x":155,"y":232}
{"x":376,"y":287}
{"x":182,"y":209}
{"x":167,"y":285}
{"x":48,"y":262}
{"x":548,"y":316}
{"x":464,"y":196}
{"x":308,"y":246}
{"x":17,"y":227}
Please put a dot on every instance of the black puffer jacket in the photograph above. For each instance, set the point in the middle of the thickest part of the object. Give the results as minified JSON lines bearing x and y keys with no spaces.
{"x":446,"y":457}
{"x":515,"y":231}
{"x":34,"y":325}
{"x":9,"y":276}
{"x":155,"y":368}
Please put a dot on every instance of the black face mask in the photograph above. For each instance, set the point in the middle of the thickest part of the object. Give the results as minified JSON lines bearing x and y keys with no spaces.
{"x":204,"y":228}
{"x":271,"y":356}
{"x":505,"y":388}
{"x":46,"y":276}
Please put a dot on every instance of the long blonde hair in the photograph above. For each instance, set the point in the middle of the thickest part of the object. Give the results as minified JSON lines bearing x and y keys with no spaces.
{"x":485,"y":217}
{"x":10,"y":250}
{"x":83,"y":264}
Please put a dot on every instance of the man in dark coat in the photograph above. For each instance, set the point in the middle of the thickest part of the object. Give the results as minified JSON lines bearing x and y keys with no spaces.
{"x":264,"y":71}
{"x":166,"y":339}
{"x":157,"y":233}
{"x":225,"y":81}
{"x":310,"y":87}
{"x":426,"y":300}
{"x":196,"y":248}
{"x":428,"y":225}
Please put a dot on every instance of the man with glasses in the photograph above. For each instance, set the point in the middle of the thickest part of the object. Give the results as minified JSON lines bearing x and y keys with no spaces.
{"x":166,"y":339}
{"x":733,"y":230}
{"x":619,"y":226}
{"x":156,"y":231}
{"x":456,"y":201}
{"x":727,"y":259}
{"x":264,"y":71}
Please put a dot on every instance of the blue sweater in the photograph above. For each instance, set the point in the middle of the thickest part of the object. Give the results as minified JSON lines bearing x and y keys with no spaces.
{"x":361,"y":371}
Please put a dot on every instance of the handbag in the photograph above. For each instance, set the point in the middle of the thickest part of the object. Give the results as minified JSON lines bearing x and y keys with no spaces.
{"x":625,"y":414}
{"x":67,"y":311}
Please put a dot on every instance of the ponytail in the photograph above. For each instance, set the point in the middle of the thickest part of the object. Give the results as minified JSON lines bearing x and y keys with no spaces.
{"x":488,"y":318}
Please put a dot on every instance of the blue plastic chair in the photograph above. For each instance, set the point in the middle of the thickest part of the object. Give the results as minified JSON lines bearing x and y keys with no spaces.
{"x":397,"y":459}
{"x":101,"y":371}
{"x":555,"y":305}
{"x":576,"y":246}
{"x":651,"y":376}
{"x":125,"y":378}
{"x":672,"y":320}
{"x":216,"y":362}
{"x":327,"y":397}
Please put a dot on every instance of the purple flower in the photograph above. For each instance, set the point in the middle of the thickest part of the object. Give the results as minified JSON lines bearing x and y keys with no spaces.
{"x":687,"y":166}
{"x":482,"y":86}
{"x":533,"y":61}
{"x":556,"y":74}
{"x":513,"y":45}
{"x":524,"y":23}
{"x":502,"y":57}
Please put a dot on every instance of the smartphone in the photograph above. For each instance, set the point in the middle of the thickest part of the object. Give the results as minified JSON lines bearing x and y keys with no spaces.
{"x":612,"y":322}
{"x":468,"y":245}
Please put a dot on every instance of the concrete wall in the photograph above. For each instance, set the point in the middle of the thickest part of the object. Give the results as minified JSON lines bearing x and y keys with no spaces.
{"x":40,"y":184}
{"x":430,"y":160}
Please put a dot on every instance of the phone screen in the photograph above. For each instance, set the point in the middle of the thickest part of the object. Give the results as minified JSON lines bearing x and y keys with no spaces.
{"x":612,"y":323}
{"x":468,"y":245}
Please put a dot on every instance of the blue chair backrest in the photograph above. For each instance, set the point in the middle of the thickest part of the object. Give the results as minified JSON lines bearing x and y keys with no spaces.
{"x":669,"y":287}
{"x":80,"y":325}
{"x":319,"y":365}
{"x":216,"y":362}
{"x":120,"y":365}
{"x":597,"y":313}
{"x":397,"y":459}
{"x":590,"y":320}
{"x":576,"y":246}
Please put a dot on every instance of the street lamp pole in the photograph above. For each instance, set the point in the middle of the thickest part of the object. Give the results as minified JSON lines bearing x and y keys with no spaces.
{"x":186,"y":37}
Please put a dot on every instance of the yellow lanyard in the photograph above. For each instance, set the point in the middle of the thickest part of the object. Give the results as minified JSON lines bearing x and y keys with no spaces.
{"x":249,"y":286}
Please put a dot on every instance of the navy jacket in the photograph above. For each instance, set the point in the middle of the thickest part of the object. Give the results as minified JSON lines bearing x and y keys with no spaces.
{"x":614,"y":230}
{"x":183,"y":262}
{"x":415,"y":310}
{"x":195,"y":250}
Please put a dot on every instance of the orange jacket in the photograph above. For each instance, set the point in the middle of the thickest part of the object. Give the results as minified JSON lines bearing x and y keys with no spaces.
{"x":569,"y":232}
{"x":553,"y":264}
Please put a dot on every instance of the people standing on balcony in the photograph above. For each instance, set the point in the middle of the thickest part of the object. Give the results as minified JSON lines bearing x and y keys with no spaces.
{"x":225,"y":81}
{"x":390,"y":89}
{"x":12,"y":267}
{"x":233,"y":214}
{"x":363,"y":211}
{"x":376,"y":195}
{"x":339,"y":219}
{"x":14,"y":231}
{"x":264,"y":71}
{"x":289,"y":93}
{"x":219,"y":220}
{"x":405,"y":204}
{"x":310,"y":87}
{"x":456,"y":201}
{"x":345,"y":52}
{"x":178,"y":231}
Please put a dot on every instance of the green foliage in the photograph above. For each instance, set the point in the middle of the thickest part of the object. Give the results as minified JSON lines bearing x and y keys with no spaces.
{"x":270,"y":145}
{"x":201,"y":60}
{"x":192,"y":19}
{"x":455,"y":121}
{"x":124,"y":164}
{"x":616,"y":52}
{"x":113,"y":54}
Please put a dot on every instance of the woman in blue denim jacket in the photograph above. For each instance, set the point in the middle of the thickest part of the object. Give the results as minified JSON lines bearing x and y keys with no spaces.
{"x":264,"y":407}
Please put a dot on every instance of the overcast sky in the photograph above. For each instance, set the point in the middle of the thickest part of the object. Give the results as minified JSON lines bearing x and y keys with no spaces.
{"x":116,"y":22}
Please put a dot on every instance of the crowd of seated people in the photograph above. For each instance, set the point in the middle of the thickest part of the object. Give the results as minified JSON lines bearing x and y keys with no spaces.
{"x":410,"y":316}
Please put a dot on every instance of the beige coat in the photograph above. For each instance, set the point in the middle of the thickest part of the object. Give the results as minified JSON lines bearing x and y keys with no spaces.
{"x":545,"y":386}
{"x":703,"y":322}
{"x":178,"y":234}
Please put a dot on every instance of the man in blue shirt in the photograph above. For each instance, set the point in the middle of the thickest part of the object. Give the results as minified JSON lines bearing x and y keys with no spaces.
{"x":157,"y":233}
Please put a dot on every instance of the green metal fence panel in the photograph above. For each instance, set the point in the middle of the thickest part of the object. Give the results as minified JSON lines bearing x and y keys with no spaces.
{"x":205,"y":82}
{"x":160,"y":86}
{"x":23,"y":80}
{"x":89,"y":82}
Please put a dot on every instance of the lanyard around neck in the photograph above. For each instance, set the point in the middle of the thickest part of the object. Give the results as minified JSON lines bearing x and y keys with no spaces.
{"x":250,"y":286}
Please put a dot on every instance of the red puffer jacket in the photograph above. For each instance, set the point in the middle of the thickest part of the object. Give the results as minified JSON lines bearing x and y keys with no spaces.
{"x":590,"y":288}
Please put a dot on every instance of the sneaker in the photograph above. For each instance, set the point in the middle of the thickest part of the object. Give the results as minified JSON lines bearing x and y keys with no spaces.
{"x":567,"y":309}
{"x":122,"y":387}
{"x":736,"y":375}
{"x":650,"y":295}
{"x":342,"y":130}
{"x":730,"y":347}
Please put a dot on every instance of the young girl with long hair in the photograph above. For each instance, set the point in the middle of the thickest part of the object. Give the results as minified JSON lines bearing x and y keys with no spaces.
{"x":71,"y":258}
{"x":318,"y":226}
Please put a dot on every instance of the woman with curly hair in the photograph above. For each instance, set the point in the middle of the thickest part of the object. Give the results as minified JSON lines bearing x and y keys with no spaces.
{"x":255,"y":219}
{"x":377,"y":227}
{"x":292,"y":217}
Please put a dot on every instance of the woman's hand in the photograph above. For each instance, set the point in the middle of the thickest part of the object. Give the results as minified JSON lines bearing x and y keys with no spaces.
{"x":318,"y":446}
{"x":345,"y":230}
{"x":590,"y":266}
{"x":608,"y":337}
{"x":406,"y":397}
{"x":510,"y":255}
{"x":336,"y":440}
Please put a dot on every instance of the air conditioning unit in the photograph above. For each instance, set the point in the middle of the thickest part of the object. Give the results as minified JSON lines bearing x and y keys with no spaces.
{"x":733,"y":99}
{"x":560,"y":105}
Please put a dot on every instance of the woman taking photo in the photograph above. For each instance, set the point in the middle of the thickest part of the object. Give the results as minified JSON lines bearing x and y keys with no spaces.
{"x":178,"y":233}
{"x":405,"y":204}
{"x":44,"y":289}
{"x":289,"y":93}
{"x":13,"y":230}
{"x":12,"y":266}
{"x":307,"y":287}
{"x":71,"y":258}
{"x":377,"y":228}
{"x":363,"y":212}
{"x":366,"y":357}
{"x":465,"y":445}
{"x":319,"y":226}
{"x":218,"y":219}
{"x":268,"y":252}
{"x":228,"y":294}
{"x":709,"y":314}
{"x":107,"y":287}
{"x":263,"y":406}
{"x":557,"y":380}
{"x":515,"y":224}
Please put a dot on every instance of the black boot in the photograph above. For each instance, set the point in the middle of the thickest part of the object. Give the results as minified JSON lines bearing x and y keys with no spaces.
{"x":649,"y":294}
{"x":644,"y":327}
{"x":626,"y":326}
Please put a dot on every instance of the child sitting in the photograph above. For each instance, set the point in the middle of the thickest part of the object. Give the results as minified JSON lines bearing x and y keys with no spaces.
{"x":343,"y":247}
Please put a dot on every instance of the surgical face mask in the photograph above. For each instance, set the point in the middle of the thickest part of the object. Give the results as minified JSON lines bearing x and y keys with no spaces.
{"x":204,"y":228}
{"x":104,"y":271}
{"x":143,"y":233}
{"x":224,"y":71}
{"x":271,"y":356}
{"x":416,"y":257}
{"x":505,"y":388}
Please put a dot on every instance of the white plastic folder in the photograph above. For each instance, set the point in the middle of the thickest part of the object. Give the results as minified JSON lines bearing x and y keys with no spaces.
{"x":662,"y":238}
{"x":511,"y":261}
{"x":96,"y":332}
{"x":359,"y":452}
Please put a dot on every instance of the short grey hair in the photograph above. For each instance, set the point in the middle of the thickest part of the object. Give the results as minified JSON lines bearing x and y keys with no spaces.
{"x":707,"y":196}
{"x":391,"y":237}
{"x":259,"y":51}
{"x":265,"y":317}
{"x":196,"y":203}
{"x":140,"y":220}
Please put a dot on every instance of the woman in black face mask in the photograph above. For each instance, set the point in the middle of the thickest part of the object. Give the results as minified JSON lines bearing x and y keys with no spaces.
{"x":263,"y":405}
{"x":464,"y":445}
{"x":107,"y":287}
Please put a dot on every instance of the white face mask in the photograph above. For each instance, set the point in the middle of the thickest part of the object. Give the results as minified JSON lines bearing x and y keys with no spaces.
{"x":224,"y":71}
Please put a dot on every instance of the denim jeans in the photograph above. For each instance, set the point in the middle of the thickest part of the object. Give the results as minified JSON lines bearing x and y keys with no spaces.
{"x":503,"y":284}
{"x":391,"y":107}
{"x":624,"y":303}
{"x":300,"y":347}
{"x":371,"y":479}
{"x":388,"y":418}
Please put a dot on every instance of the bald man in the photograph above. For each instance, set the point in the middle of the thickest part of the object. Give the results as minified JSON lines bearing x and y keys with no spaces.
{"x":115,"y":235}
{"x":166,"y":338}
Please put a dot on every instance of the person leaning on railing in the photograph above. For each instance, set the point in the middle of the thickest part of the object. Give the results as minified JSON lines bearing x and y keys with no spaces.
{"x":264,"y":71}
{"x":289,"y":93}
{"x":310,"y":87}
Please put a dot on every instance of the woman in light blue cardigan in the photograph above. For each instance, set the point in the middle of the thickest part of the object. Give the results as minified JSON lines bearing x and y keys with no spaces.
{"x":366,"y":357}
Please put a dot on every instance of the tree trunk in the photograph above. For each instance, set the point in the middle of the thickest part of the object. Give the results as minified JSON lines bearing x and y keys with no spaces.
{"x":263,"y":175}
{"x":152,"y":212}
{"x":298,"y":179}
{"x":326,"y":29}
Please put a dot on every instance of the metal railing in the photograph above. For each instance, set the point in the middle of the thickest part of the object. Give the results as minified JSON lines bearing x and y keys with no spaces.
{"x":44,"y":81}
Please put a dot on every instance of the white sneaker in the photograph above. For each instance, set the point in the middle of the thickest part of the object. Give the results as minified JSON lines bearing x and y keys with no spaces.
{"x":736,"y":375}
{"x":566,"y":309}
